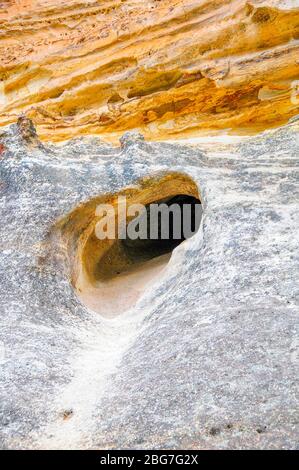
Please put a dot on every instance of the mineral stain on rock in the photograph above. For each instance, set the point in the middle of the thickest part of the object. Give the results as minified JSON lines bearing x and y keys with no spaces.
{"x":168,"y":69}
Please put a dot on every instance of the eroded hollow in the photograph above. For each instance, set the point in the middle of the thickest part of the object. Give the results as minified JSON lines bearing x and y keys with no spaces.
{"x":110,"y":275}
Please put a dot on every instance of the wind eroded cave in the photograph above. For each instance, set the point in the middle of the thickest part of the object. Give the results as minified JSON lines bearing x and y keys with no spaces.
{"x":110,"y":275}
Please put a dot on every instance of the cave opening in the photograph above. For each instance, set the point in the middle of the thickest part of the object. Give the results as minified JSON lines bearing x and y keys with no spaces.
{"x":168,"y":222}
{"x":111,"y":275}
{"x":143,"y":249}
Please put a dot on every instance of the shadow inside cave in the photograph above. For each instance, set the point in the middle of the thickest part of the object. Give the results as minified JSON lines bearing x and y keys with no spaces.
{"x":110,"y":276}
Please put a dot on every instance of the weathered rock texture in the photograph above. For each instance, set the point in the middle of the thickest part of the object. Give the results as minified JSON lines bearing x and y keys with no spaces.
{"x":167,"y":68}
{"x":208,"y":357}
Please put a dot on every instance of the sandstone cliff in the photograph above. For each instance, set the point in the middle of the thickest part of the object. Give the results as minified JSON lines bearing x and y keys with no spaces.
{"x":168,"y":68}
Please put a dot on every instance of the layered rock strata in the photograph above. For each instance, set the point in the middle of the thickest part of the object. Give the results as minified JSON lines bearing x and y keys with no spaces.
{"x":168,"y":68}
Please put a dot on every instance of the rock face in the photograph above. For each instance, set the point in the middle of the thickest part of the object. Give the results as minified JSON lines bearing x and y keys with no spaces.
{"x":110,"y":274}
{"x":196,"y":348}
{"x":208,"y":356}
{"x":166,"y":68}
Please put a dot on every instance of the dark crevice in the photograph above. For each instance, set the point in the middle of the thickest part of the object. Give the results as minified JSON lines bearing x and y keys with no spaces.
{"x":145,"y":249}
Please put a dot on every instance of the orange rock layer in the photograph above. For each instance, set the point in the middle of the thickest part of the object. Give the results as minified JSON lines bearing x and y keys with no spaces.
{"x":169,"y":68}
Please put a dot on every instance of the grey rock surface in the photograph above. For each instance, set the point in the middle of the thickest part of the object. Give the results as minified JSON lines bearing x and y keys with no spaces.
{"x":208,"y":358}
